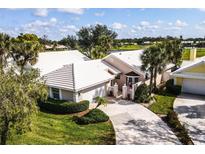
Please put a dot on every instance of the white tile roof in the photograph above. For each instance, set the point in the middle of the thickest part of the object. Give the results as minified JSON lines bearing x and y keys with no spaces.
{"x":79,"y":75}
{"x":49,"y":61}
{"x":130,"y":57}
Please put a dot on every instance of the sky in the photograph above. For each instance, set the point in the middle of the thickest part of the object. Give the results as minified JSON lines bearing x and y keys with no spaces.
{"x":128,"y":23}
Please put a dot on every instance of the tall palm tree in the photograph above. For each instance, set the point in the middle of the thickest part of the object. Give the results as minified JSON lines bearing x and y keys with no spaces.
{"x":148,"y":64}
{"x":174,"y":49}
{"x":5,"y":41}
{"x":154,"y":60}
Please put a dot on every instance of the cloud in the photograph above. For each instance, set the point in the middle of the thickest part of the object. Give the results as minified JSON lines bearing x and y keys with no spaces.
{"x":177,"y":25}
{"x":78,"y":11}
{"x":202,"y":9}
{"x":99,"y":14}
{"x":41,"y":12}
{"x":39,"y":23}
{"x":69,"y":28}
{"x":145,"y":25}
{"x":38,"y":26}
{"x":180,"y":23}
{"x":118,"y":26}
{"x":200,"y":26}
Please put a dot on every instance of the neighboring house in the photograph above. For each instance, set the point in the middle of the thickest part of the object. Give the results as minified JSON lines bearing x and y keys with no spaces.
{"x":85,"y":80}
{"x":57,"y":47}
{"x":50,"y":61}
{"x":191,"y":76}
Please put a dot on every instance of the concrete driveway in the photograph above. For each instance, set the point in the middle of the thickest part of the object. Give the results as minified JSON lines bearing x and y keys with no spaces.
{"x":191,"y":113}
{"x":134,"y":124}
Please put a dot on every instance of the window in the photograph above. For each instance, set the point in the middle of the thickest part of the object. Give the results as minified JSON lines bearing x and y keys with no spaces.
{"x":136,"y":79}
{"x":55,"y":93}
{"x":130,"y":80}
{"x":118,"y":76}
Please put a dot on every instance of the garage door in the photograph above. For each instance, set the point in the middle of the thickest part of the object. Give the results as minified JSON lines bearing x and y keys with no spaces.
{"x":92,"y":93}
{"x":194,"y":86}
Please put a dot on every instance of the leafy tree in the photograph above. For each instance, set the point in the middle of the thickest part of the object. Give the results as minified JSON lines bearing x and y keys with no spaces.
{"x":5,"y":41}
{"x":18,"y":99}
{"x":101,"y":101}
{"x":70,"y":41}
{"x":95,"y":41}
{"x":25,"y":49}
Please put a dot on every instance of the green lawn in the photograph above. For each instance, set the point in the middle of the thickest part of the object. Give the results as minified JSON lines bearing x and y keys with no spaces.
{"x":186,"y":53}
{"x":130,"y":47}
{"x":163,"y":104}
{"x":60,"y":129}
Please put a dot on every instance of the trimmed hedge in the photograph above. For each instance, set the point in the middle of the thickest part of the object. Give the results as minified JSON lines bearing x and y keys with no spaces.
{"x":94,"y":116}
{"x":179,"y":129}
{"x":171,"y":88}
{"x":64,"y":107}
{"x":142,"y":94}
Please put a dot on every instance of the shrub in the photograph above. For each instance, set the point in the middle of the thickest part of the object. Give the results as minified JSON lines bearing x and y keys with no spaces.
{"x":94,"y":116}
{"x":179,"y":129}
{"x":142,"y":94}
{"x":171,"y":88}
{"x":63,"y":107}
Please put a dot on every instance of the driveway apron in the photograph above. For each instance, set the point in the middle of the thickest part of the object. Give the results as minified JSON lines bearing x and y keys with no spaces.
{"x":135,"y":124}
{"x":191,"y":113}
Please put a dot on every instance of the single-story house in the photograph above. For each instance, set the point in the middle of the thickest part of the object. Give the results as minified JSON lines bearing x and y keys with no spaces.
{"x":80,"y":80}
{"x":86,"y":79}
{"x":191,"y":76}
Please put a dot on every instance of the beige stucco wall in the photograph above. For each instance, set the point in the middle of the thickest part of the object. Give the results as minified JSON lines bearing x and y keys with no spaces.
{"x":178,"y":81}
{"x":197,"y":69}
{"x":118,"y":64}
{"x":67,"y":95}
{"x":123,"y":68}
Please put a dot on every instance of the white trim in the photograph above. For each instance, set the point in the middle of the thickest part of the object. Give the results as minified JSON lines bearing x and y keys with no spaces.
{"x":60,"y":94}
{"x":50,"y":92}
{"x":191,"y":75}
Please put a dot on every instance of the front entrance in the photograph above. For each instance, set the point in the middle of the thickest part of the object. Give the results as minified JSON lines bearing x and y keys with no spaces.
{"x":131,"y":78}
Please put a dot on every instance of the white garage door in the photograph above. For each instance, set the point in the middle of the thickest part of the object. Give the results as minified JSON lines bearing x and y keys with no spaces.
{"x":194,"y":86}
{"x":90,"y":94}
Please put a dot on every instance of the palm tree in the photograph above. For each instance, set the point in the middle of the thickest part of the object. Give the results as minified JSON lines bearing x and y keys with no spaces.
{"x":154,"y":60}
{"x":174,"y":49}
{"x":101,"y":101}
{"x":148,"y":64}
{"x":5,"y":41}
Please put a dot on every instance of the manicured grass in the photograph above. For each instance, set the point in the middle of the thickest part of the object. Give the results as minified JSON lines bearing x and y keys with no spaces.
{"x":200,"y":52}
{"x":60,"y":129}
{"x":163,"y":104}
{"x":186,"y":53}
{"x":130,"y":47}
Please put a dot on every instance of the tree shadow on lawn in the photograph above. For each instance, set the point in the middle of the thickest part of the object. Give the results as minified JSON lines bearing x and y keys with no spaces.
{"x":144,"y":133}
